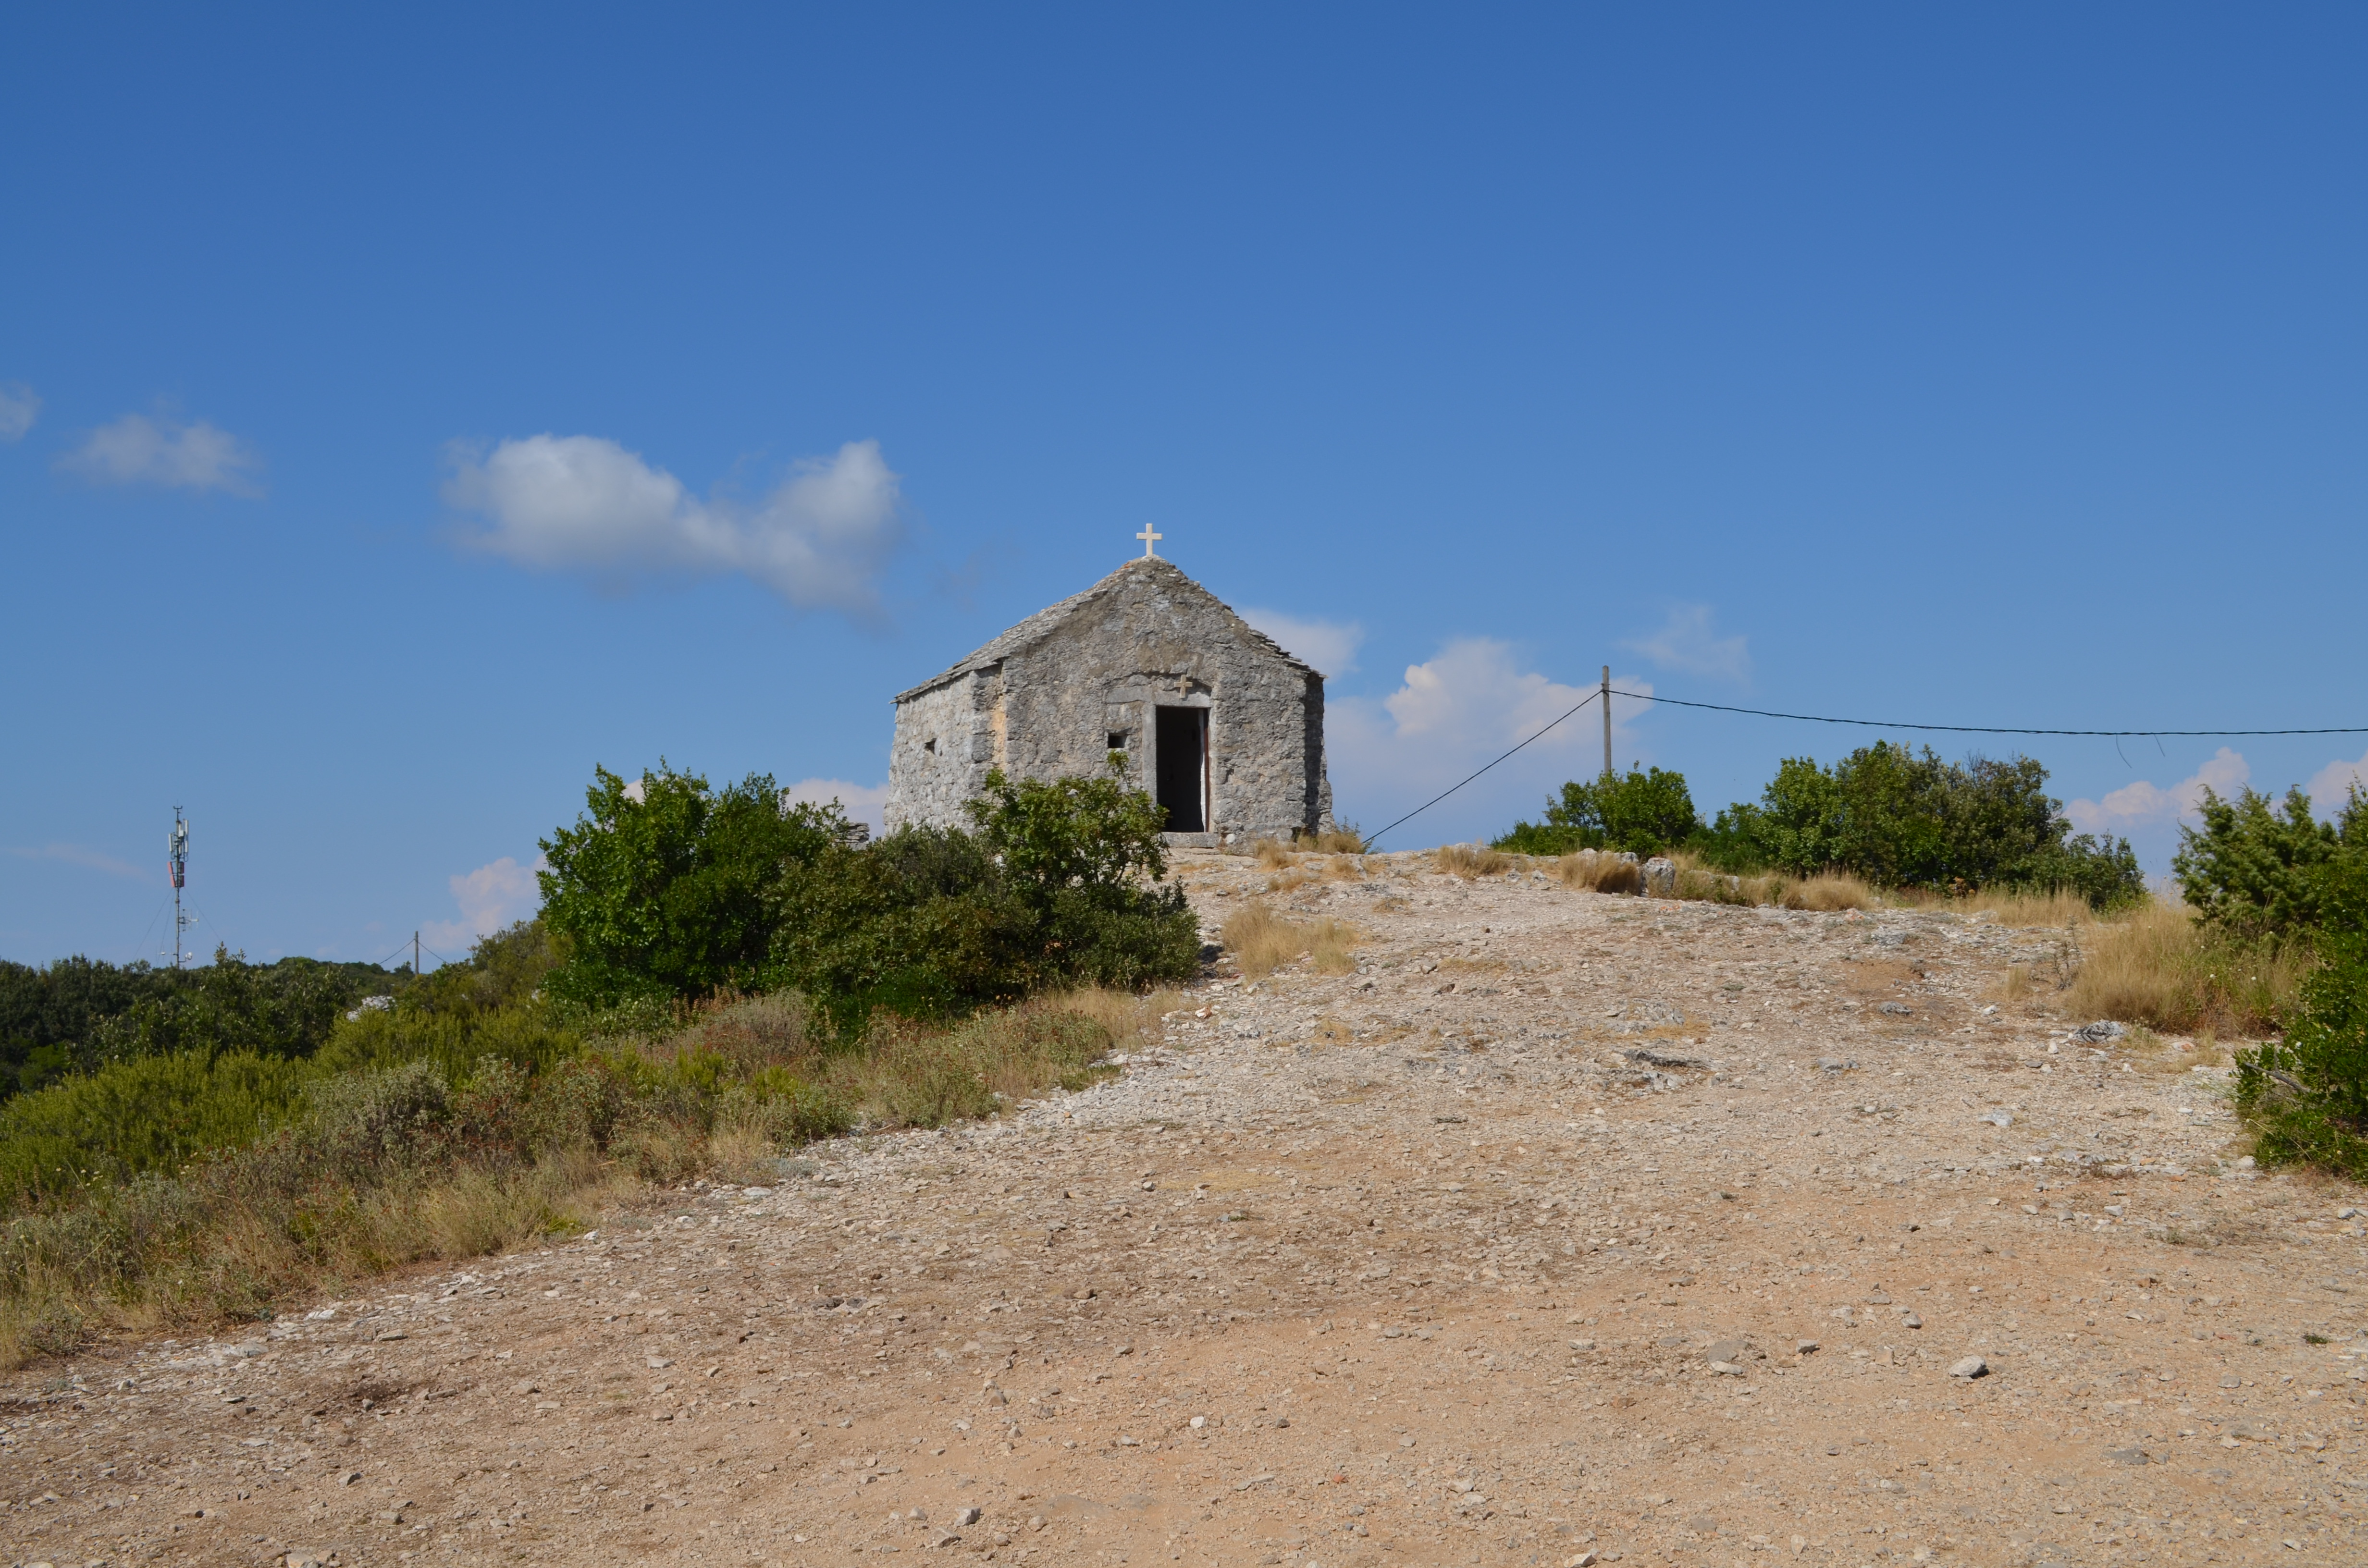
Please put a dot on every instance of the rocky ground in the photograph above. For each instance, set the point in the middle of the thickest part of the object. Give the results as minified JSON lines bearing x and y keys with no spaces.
{"x":1570,"y":1225}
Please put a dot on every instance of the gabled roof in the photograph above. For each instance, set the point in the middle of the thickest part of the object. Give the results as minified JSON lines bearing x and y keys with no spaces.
{"x":1045,"y":623}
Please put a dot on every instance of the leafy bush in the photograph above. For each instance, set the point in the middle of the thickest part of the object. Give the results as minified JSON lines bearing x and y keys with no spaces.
{"x":2254,"y":871}
{"x":669,"y":889}
{"x":1646,"y":812}
{"x":1900,"y":819}
{"x":2307,"y":1096}
{"x":1055,"y":884}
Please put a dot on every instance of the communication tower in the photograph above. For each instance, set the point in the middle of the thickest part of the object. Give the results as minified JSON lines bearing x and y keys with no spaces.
{"x":177,"y":862}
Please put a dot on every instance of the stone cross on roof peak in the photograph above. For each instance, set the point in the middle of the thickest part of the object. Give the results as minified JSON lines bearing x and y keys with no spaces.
{"x":1147,"y":536}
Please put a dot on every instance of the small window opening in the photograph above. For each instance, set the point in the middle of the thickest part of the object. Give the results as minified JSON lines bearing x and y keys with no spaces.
{"x":930,"y":745}
{"x":1118,"y":740}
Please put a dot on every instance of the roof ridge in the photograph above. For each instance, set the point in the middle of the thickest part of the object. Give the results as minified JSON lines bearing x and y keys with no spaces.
{"x":1045,"y":622}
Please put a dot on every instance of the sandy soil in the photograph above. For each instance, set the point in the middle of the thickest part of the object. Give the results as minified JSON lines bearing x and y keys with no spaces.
{"x":1414,"y":1265}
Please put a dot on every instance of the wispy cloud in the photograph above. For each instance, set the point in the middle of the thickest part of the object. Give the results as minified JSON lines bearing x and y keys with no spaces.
{"x":585,"y":504}
{"x":89,"y":859}
{"x":2144,"y":805}
{"x":18,"y":408}
{"x":496,"y":894}
{"x":1329,"y":645}
{"x":860,"y":802}
{"x":137,"y":449}
{"x":1687,"y":642}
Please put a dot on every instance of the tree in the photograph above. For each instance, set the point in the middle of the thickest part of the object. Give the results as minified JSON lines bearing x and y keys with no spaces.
{"x":669,"y":889}
{"x":1901,"y":819}
{"x":1645,"y":812}
{"x":2253,"y":870}
{"x":2308,"y":1094}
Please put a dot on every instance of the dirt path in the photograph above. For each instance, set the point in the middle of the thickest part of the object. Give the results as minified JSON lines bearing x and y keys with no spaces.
{"x":1411,"y":1266}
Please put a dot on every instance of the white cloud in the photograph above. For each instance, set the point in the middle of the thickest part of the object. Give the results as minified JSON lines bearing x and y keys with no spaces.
{"x":18,"y":408}
{"x":2329,"y":785}
{"x":581,"y":503}
{"x":494,"y":896}
{"x":1328,"y":645}
{"x":1456,"y":712}
{"x":137,"y":449}
{"x":1685,"y":641}
{"x":860,"y":802}
{"x":2144,"y":804}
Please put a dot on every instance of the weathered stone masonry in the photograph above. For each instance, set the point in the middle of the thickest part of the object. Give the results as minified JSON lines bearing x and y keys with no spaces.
{"x":1145,"y":661}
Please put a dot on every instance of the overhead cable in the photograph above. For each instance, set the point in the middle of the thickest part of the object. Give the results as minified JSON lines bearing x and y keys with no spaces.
{"x":1373,"y":837}
{"x":1981,"y":729}
{"x":1872,"y":724}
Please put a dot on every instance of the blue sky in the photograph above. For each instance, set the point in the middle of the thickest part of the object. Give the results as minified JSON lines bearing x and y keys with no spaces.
{"x":400,"y":415}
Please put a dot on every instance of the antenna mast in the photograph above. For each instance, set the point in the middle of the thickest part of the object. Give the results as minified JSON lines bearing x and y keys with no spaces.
{"x":178,"y":863}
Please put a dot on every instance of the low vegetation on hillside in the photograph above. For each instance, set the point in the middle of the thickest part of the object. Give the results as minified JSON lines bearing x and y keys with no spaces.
{"x":1888,"y":815}
{"x":715,"y":979}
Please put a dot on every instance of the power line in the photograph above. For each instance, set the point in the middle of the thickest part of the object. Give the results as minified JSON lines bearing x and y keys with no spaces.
{"x":1610,"y":691}
{"x":1985,"y":729}
{"x":1372,"y":838}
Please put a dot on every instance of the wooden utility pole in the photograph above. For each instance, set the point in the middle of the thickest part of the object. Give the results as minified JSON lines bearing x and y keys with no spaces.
{"x":1607,"y":723}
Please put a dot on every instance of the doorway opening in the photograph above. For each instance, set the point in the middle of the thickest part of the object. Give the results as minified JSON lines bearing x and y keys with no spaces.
{"x":1183,"y":743}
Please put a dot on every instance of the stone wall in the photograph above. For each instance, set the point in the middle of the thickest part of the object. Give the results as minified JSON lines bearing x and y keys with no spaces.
{"x":1043,"y":701}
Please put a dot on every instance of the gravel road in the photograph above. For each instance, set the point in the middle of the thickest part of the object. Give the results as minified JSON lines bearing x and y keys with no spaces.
{"x":1570,"y":1225}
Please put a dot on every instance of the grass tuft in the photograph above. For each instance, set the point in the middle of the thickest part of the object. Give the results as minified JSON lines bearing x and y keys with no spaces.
{"x":1597,"y":870}
{"x":1262,"y":941}
{"x":1472,"y":860}
{"x":1828,"y":891}
{"x":2156,"y":966}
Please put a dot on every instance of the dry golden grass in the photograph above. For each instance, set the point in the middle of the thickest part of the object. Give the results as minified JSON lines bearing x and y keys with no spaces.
{"x":1273,"y":854}
{"x":1133,"y":1021}
{"x":1595,"y":870}
{"x":2156,"y":966}
{"x":196,"y":1250}
{"x":1828,"y":891}
{"x":1332,"y":841}
{"x":1706,"y":884}
{"x":1262,"y":941}
{"x":2014,"y":984}
{"x":2150,"y":1052}
{"x":1316,"y":869}
{"x":1471,"y":860}
{"x":255,"y":1257}
{"x":2006,"y":906}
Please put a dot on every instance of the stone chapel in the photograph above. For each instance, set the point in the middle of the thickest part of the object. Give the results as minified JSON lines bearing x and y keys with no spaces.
{"x":1222,"y":726}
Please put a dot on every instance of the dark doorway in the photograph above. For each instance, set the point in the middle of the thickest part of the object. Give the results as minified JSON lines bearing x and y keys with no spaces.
{"x":1183,"y":750}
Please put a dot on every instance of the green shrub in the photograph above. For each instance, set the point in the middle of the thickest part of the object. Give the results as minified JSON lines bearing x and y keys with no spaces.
{"x":679,"y":895}
{"x":2258,"y":872}
{"x":2307,"y":1095}
{"x":1898,"y":818}
{"x":670,"y":890}
{"x":155,"y":1113}
{"x":1646,"y":812}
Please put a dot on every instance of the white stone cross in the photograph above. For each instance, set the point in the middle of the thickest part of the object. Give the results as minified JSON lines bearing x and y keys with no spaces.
{"x":1147,"y":536}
